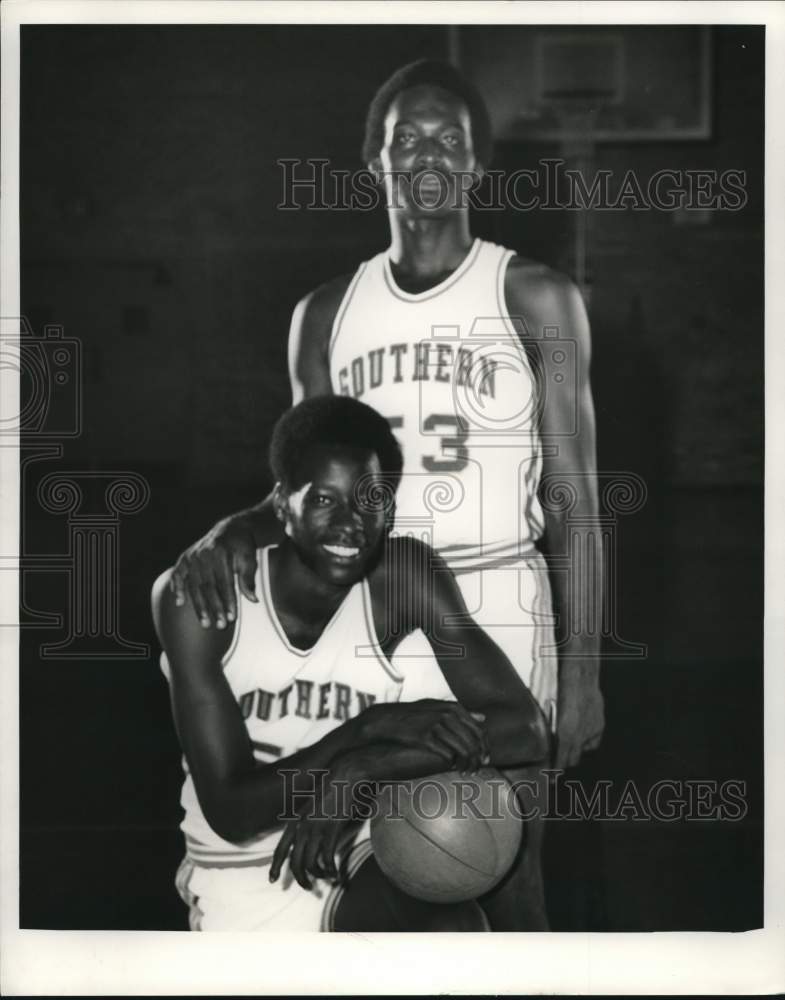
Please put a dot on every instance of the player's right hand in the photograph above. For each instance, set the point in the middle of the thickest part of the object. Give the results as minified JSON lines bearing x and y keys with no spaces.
{"x":206,"y":571}
{"x":445,"y":728}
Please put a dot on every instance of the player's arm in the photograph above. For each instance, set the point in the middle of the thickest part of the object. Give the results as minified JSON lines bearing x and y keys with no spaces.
{"x":477,"y":671}
{"x":205,"y":571}
{"x":489,"y":692}
{"x":414,"y":739}
{"x":569,"y":470}
{"x":309,"y":340}
{"x":239,"y":796}
{"x":495,"y":714}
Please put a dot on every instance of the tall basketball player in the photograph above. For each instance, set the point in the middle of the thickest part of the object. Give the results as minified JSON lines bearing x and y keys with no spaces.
{"x":303,"y":683}
{"x":480,"y":361}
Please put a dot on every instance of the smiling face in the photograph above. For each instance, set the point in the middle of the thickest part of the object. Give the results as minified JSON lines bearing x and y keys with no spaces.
{"x":330,"y":518}
{"x":428,"y":144}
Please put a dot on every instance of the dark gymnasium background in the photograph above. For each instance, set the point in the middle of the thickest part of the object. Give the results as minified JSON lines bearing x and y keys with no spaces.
{"x":150,"y":233}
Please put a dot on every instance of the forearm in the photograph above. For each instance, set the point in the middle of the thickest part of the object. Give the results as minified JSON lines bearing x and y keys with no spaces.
{"x":389,"y":762}
{"x":242,"y":805}
{"x":515,"y":735}
{"x":572,"y":547}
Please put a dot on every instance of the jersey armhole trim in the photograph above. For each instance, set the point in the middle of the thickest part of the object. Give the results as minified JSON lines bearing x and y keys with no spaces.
{"x":533,"y":472}
{"x":501,"y":297}
{"x":347,"y":297}
{"x":238,"y":600}
{"x":387,"y":666}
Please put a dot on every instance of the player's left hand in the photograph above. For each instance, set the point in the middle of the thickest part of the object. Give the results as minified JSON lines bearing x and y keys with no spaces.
{"x":580,"y":721}
{"x":311,"y":841}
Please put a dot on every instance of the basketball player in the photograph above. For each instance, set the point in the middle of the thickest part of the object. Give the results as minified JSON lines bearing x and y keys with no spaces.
{"x":451,"y":339}
{"x":302,"y":683}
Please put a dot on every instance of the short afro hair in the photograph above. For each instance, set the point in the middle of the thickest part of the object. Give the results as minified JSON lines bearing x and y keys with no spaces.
{"x":331,"y":420}
{"x":438,"y":74}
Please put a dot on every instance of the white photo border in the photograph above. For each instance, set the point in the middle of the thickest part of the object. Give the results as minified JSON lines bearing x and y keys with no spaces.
{"x":35,"y":962}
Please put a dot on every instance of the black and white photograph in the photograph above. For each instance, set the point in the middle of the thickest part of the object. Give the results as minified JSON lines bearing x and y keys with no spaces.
{"x":385,"y":445}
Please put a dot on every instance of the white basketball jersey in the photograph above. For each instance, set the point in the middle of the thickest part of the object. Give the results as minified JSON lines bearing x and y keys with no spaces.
{"x":447,"y":369}
{"x":290,"y":698}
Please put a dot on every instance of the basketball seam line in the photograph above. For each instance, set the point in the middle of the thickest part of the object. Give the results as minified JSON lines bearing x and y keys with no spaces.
{"x":441,"y":847}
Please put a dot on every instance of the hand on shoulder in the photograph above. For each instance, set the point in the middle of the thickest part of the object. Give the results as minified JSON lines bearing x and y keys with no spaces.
{"x":179,"y":630}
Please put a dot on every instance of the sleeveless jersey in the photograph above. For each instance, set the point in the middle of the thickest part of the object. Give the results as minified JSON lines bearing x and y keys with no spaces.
{"x":290,"y":698}
{"x":447,"y":369}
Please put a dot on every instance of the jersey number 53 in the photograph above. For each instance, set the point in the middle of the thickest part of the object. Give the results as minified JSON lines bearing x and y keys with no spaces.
{"x":454,"y":440}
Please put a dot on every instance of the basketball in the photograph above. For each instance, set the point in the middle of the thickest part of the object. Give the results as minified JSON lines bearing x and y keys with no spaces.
{"x":447,"y":838}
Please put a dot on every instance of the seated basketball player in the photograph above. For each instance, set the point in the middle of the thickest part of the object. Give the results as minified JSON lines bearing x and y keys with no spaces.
{"x":299,"y":693}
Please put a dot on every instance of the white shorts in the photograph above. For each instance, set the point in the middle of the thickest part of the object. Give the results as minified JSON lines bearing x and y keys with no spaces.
{"x":512,"y":603}
{"x":242,"y":898}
